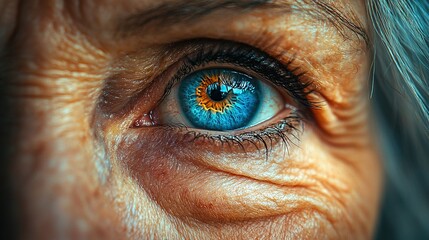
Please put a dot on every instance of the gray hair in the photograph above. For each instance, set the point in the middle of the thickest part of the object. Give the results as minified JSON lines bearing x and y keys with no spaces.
{"x":400,"y":97}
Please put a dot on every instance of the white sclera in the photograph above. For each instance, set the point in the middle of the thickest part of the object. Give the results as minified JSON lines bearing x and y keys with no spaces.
{"x":272,"y":103}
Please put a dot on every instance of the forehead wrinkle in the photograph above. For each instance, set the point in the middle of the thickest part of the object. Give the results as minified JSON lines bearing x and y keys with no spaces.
{"x":131,"y":17}
{"x":169,"y":13}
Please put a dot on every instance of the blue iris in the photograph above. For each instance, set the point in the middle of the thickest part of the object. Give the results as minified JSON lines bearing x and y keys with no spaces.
{"x":219,"y":99}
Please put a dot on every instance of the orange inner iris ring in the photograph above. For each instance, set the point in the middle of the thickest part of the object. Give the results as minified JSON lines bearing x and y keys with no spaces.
{"x":206,"y":102}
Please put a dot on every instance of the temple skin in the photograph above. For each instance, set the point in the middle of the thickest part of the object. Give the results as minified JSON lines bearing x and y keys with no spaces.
{"x":76,"y":170}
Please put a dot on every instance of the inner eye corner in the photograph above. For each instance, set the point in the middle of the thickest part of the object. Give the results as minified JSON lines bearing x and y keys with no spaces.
{"x":148,"y":119}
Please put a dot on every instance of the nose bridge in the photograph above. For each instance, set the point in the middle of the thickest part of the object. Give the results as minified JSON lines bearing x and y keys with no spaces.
{"x":50,"y":78}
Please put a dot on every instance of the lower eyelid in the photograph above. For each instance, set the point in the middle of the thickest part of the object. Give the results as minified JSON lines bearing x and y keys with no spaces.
{"x":184,"y":146}
{"x":281,"y":135}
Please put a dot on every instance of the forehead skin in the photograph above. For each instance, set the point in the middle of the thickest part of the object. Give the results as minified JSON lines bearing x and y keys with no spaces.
{"x":72,"y":168}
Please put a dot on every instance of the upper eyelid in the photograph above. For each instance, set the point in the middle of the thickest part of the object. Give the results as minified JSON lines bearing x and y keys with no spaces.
{"x":283,"y":77}
{"x":180,"y":51}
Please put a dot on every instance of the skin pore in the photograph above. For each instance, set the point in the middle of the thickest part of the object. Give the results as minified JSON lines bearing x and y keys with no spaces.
{"x":79,"y":74}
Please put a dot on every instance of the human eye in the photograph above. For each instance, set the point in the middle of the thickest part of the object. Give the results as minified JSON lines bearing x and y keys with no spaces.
{"x":228,"y":120}
{"x":231,"y":92}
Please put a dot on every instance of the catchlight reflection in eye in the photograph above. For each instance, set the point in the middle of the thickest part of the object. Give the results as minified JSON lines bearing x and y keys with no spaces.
{"x":221,"y":100}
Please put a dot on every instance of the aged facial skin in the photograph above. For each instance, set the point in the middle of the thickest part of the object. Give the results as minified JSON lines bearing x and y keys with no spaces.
{"x":80,"y":79}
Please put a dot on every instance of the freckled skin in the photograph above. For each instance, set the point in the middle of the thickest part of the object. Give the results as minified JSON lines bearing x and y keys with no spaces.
{"x":76,"y":168}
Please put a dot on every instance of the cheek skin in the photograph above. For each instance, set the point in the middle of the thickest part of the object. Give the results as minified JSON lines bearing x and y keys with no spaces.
{"x":320,"y":183}
{"x":206,"y":201}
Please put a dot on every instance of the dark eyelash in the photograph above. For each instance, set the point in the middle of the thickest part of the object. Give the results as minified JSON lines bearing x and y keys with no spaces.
{"x":291,"y":125}
{"x":252,"y":59}
{"x":287,"y":128}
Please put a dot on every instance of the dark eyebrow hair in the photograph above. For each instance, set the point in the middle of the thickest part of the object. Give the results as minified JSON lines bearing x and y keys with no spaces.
{"x":186,"y":10}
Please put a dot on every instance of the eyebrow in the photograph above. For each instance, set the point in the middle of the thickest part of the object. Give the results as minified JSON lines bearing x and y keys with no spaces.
{"x":183,"y":11}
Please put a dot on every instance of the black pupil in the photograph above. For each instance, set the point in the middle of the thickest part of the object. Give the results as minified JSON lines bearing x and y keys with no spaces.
{"x":215,"y":93}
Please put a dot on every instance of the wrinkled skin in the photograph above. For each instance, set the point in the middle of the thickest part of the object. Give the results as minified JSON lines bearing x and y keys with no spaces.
{"x":75,"y":168}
